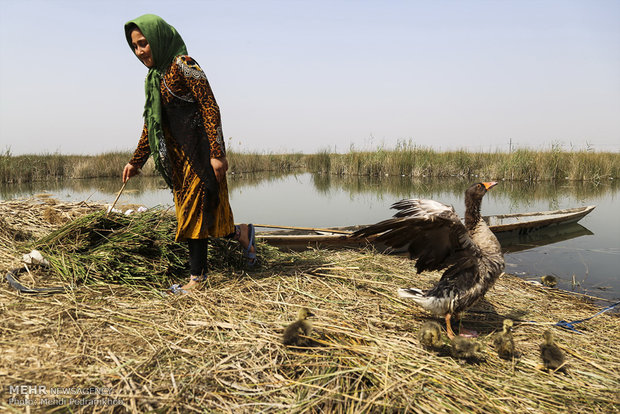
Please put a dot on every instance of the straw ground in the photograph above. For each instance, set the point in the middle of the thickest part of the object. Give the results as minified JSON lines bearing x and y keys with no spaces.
{"x":219,"y":350}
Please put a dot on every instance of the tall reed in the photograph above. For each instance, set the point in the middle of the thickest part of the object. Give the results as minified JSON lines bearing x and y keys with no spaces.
{"x":25,"y":168}
{"x":406,"y":160}
{"x":522,"y":164}
{"x":247,"y":162}
{"x":41,"y":167}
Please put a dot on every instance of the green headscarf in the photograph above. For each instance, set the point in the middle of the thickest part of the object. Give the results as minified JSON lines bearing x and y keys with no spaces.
{"x":166,"y":43}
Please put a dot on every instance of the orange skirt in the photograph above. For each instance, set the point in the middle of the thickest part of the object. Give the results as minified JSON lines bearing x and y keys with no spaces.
{"x":190,"y":203}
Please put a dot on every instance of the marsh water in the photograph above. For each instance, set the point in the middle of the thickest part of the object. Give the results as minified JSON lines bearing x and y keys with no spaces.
{"x":585,"y":257}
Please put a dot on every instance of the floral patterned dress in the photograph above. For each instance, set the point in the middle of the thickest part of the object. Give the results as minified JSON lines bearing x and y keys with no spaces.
{"x":192,"y":136}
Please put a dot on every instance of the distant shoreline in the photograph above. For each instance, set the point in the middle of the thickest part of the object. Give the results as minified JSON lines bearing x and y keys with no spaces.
{"x":522,"y":164}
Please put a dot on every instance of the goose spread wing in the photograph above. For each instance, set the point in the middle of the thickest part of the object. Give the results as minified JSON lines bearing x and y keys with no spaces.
{"x":431,"y":231}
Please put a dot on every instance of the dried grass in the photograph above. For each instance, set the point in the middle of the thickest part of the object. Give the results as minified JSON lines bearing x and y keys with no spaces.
{"x":219,"y":350}
{"x":27,"y":220}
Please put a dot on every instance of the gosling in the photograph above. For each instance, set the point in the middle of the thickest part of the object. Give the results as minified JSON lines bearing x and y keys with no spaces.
{"x":551,"y":355}
{"x":549,"y":280}
{"x":293,"y":334}
{"x":503,"y":341}
{"x":465,"y":348}
{"x":430,"y":336}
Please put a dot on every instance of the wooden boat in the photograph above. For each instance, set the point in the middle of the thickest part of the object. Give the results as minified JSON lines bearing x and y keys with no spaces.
{"x":523,"y":223}
{"x":300,"y":238}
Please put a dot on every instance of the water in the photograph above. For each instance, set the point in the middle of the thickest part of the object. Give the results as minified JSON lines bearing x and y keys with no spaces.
{"x":584,"y":257}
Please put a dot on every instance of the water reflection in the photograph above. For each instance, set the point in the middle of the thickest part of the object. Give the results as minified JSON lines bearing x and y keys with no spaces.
{"x":147,"y":190}
{"x":238,"y":181}
{"x":63,"y":188}
{"x":515,"y":194}
{"x":512,"y":243}
{"x":396,"y":187}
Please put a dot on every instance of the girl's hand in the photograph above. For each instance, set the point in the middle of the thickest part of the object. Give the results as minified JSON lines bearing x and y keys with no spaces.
{"x":129,"y":171}
{"x":220,"y":166}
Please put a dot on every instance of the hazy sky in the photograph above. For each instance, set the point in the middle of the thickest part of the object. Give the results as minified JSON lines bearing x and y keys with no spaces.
{"x":312,"y":75}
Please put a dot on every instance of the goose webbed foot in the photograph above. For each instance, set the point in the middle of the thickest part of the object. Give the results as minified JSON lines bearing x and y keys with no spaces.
{"x":449,"y":327}
{"x":462,"y":331}
{"x":468,"y":333}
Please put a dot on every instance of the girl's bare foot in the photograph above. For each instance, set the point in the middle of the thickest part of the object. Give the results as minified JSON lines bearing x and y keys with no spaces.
{"x":244,"y":233}
{"x":193,"y":283}
{"x":244,"y":237}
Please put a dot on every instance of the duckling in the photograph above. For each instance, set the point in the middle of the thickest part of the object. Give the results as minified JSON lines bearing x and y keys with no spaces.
{"x":551,"y":355}
{"x":465,"y":348}
{"x":430,"y":336}
{"x":549,"y":280}
{"x":292,"y":333}
{"x":503,"y":341}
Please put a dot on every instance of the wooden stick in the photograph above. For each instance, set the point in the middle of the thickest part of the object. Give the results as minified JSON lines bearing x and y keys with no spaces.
{"x":271,"y":226}
{"x":117,"y":197}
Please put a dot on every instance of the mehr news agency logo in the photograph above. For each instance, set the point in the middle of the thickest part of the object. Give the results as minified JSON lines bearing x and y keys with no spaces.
{"x":42,"y":395}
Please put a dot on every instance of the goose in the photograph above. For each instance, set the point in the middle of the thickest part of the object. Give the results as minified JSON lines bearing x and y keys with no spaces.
{"x":292,"y":335}
{"x":551,"y":354}
{"x":503,"y":341}
{"x":434,"y":234}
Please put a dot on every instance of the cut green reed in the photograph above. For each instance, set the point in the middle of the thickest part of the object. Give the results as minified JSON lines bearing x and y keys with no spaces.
{"x":137,"y":249}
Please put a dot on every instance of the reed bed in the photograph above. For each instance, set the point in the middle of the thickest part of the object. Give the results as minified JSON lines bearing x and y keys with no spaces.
{"x":44,"y":167}
{"x":29,"y":168}
{"x":218,"y":349}
{"x":522,"y":164}
{"x":407,"y":160}
{"x":250,"y":162}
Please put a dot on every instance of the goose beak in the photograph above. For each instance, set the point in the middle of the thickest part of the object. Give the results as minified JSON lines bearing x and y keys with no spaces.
{"x":489,"y":185}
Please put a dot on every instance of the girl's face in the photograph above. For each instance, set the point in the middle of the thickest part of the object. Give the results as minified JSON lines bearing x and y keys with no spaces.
{"x":141,"y":48}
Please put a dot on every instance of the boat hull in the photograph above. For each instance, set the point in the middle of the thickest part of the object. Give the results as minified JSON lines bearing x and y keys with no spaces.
{"x":523,"y":223}
{"x":503,"y":225}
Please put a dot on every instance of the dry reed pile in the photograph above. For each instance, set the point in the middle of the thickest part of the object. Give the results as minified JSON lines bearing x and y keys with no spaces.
{"x":27,"y":220}
{"x":219,"y":350}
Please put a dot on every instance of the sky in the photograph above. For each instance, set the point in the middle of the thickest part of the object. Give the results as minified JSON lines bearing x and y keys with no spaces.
{"x":308,"y":76}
